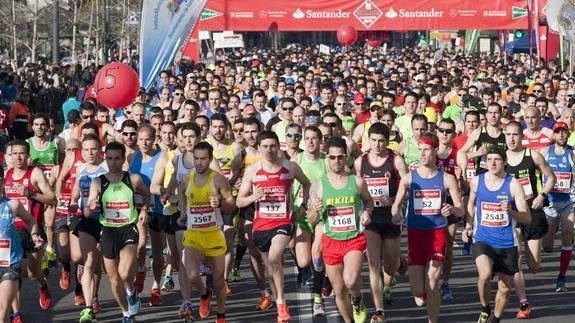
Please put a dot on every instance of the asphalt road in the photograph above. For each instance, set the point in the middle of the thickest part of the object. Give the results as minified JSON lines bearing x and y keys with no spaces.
{"x":548,"y":306}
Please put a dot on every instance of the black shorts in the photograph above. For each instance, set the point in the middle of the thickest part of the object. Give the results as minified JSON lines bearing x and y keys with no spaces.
{"x":115,"y":239}
{"x":247,"y":213}
{"x":67,"y":223}
{"x":89,"y":226}
{"x":537,"y":228}
{"x":229,"y":218}
{"x":174,"y":226}
{"x":263,"y":239}
{"x":158,"y":222}
{"x":504,"y":260}
{"x":13,"y":272}
{"x":386,"y":231}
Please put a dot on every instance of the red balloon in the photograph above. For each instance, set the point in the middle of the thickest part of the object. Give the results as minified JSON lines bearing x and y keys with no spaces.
{"x":374,"y":43}
{"x":117,"y":85}
{"x":90,"y":92}
{"x":346,"y":35}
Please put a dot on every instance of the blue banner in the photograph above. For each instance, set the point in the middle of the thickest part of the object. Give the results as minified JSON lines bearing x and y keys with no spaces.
{"x":165,"y":25}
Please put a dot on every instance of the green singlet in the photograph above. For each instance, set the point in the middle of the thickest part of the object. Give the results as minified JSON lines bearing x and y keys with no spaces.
{"x":341,"y":210}
{"x":117,"y":202}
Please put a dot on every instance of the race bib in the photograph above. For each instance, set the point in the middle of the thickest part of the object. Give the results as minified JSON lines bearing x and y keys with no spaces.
{"x":378,"y":188}
{"x":117,"y":212}
{"x":63,"y":205}
{"x":341,"y":219}
{"x":274,"y":206}
{"x":470,"y":171}
{"x":46,"y":169}
{"x":5,"y":252}
{"x":563,"y":184}
{"x":201,"y":217}
{"x":527,"y":188}
{"x":427,"y":202}
{"x":493,"y":216}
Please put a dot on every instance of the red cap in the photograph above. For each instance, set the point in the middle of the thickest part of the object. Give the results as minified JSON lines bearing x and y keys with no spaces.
{"x":560,"y":125}
{"x":359,"y":98}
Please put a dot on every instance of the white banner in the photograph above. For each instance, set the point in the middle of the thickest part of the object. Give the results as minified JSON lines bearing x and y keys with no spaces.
{"x":561,"y":17}
{"x":165,"y":25}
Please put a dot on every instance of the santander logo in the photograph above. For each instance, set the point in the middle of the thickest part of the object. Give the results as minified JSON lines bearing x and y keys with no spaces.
{"x":391,"y":13}
{"x":298,"y":14}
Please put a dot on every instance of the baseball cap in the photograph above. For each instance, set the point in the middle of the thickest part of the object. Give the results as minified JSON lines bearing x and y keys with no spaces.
{"x":359,"y":98}
{"x":73,"y":116}
{"x":419,"y":77}
{"x":560,"y":125}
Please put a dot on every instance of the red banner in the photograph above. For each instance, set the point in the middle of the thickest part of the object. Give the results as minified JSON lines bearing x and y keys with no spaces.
{"x":396,"y":15}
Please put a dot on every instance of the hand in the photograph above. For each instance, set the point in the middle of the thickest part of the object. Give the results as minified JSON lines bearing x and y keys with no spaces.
{"x":481,"y":151}
{"x":365,"y":218}
{"x":164,"y":198}
{"x":466,"y":235}
{"x":73,"y":208}
{"x":447,"y":209}
{"x":38,"y":241}
{"x":386,"y":201}
{"x":313,"y":215}
{"x":258,"y":194}
{"x":458,"y":173}
{"x":538,"y":202}
{"x":397,"y":217}
{"x":182,"y":220}
{"x":215,"y":201}
{"x":505,"y":205}
{"x":143,"y":219}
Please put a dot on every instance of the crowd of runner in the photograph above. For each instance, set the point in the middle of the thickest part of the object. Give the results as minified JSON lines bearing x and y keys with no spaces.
{"x":330,"y":156}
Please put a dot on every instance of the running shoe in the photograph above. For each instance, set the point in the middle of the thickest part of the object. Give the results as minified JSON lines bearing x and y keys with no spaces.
{"x":185,"y":311}
{"x":45,"y":299}
{"x":318,"y":307}
{"x":446,"y":293}
{"x":220,"y":319}
{"x":96,"y":308}
{"x":206,"y":304}
{"x":387,"y":295}
{"x":87,"y":316}
{"x":128,"y":319}
{"x":17,"y":319}
{"x":155,"y":297}
{"x":168,"y":284}
{"x":236,"y":275}
{"x":420,"y":301}
{"x":265,"y":303}
{"x":79,"y":297}
{"x":560,"y":285}
{"x":64,"y":279}
{"x":51,"y":257}
{"x":139,"y":282}
{"x":524,"y":311}
{"x":283,"y":312}
{"x":484,"y":317}
{"x":134,"y":304}
{"x":359,"y":312}
{"x":378,"y":317}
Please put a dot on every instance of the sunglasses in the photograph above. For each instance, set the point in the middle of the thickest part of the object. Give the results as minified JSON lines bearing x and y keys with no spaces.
{"x":87,"y":117}
{"x":127,"y":112}
{"x":290,"y":109}
{"x":374,"y":108}
{"x":293,"y":135}
{"x":336,"y":157}
{"x":331,"y":124}
{"x":537,"y":91}
{"x":446,"y":131}
{"x":126,"y":134}
{"x":238,"y":130}
{"x":178,"y":93}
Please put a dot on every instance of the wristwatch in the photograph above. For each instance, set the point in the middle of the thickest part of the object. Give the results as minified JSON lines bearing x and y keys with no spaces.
{"x":544,"y":194}
{"x":304,"y":205}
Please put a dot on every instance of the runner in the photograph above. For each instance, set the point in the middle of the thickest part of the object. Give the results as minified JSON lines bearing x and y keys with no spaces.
{"x":343,"y":203}
{"x":426,"y":222}
{"x":45,"y":153}
{"x":382,"y":170}
{"x":88,"y":227}
{"x":496,"y":202}
{"x":308,"y":237}
{"x":526,"y":165}
{"x":271,"y":180}
{"x":29,"y":185}
{"x":202,"y":194}
{"x":11,"y":249}
{"x":408,"y":146}
{"x":561,"y":209}
{"x":114,"y":194}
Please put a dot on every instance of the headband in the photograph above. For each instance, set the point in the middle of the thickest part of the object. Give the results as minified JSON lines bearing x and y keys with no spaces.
{"x":428,"y":141}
